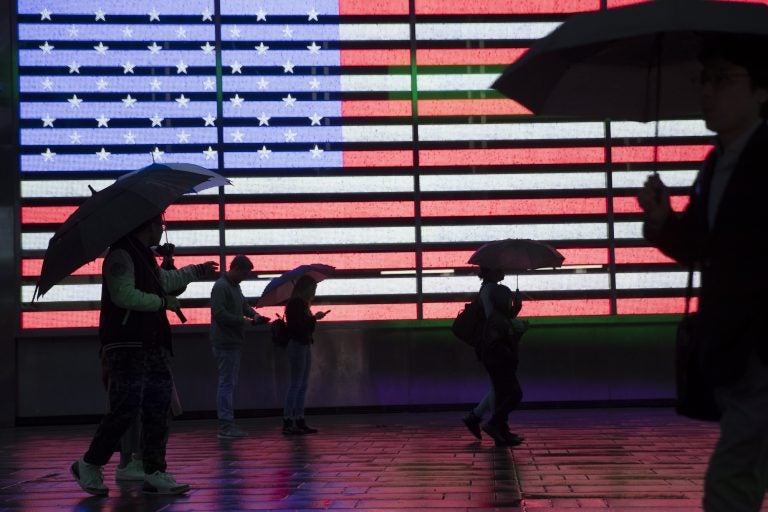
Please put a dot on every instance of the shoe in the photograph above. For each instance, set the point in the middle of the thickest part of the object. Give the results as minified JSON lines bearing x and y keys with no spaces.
{"x":231,"y":432}
{"x":89,"y":477}
{"x":289,"y":429}
{"x":163,"y":483}
{"x":472,"y":421}
{"x":133,"y":471}
{"x":497,"y":434}
{"x":302,"y":427}
{"x":513,"y":439}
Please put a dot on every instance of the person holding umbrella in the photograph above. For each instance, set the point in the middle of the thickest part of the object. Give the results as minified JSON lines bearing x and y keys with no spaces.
{"x":136,"y":343}
{"x":301,"y":326}
{"x":719,"y":232}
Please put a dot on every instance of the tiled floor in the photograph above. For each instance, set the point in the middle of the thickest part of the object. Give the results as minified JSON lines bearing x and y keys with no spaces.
{"x":615,"y":459}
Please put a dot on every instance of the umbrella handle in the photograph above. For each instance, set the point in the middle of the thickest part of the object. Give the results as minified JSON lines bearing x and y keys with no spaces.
{"x":181,"y":316}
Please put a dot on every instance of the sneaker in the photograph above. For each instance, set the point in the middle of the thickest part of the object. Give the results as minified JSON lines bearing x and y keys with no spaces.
{"x":289,"y":429}
{"x":133,"y":471}
{"x":163,"y":483}
{"x":496,"y":433}
{"x":472,"y":421}
{"x":89,"y":477}
{"x":231,"y":432}
{"x":513,"y":439}
{"x":303,"y":428}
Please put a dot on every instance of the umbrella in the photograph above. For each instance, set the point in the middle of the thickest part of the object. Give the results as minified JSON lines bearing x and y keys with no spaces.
{"x":115,"y":211}
{"x":516,"y":255}
{"x":632,"y":63}
{"x":279,"y":289}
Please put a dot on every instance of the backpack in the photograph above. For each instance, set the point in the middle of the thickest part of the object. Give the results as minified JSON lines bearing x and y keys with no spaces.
{"x":279,"y":330}
{"x":468,"y":324}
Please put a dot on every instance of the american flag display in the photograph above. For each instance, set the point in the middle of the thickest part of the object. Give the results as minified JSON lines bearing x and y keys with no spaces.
{"x":360,"y":134}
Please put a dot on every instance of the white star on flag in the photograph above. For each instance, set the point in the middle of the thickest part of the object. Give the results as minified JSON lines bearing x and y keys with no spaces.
{"x":263,"y":119}
{"x":237,"y":136}
{"x":74,"y":137}
{"x":314,"y":48}
{"x":127,"y":32}
{"x":157,"y":120}
{"x":261,"y":15}
{"x":101,"y":84}
{"x":73,"y":31}
{"x":312,"y":15}
{"x":210,"y":153}
{"x":74,"y":67}
{"x":48,"y":155}
{"x":288,"y":67}
{"x":288,"y":32}
{"x":129,"y":102}
{"x":237,"y":101}
{"x":48,"y":120}
{"x":262,"y":48}
{"x":289,"y":100}
{"x":128,"y":67}
{"x":74,"y":101}
{"x":264,"y":152}
{"x":155,"y":84}
{"x":103,"y":121}
{"x":103,"y":154}
{"x":181,"y":67}
{"x":234,"y":32}
{"x":157,"y":155}
{"x":47,"y":84}
{"x":154,"y":49}
{"x":101,"y":49}
{"x":154,"y":15}
{"x":46,"y":47}
{"x":263,"y":84}
{"x":207,"y":48}
{"x":181,"y":33}
{"x":183,"y":136}
{"x":207,"y":15}
{"x":100,"y":15}
{"x":315,"y":118}
{"x":182,"y":101}
{"x":210,"y":120}
{"x":209,"y":84}
{"x":314,"y":84}
{"x":290,"y":135}
{"x":316,"y":152}
{"x":45,"y":14}
{"x":130,"y":137}
{"x":236,"y":67}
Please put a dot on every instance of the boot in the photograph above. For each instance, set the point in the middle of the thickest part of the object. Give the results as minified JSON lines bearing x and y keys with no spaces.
{"x":302,"y":427}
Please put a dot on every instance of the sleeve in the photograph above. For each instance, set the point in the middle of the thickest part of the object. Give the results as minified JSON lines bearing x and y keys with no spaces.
{"x":118,"y":275}
{"x":176,"y":279}
{"x":220,"y":313}
{"x":248,"y":310}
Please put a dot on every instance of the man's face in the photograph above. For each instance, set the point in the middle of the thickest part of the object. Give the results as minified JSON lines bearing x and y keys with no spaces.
{"x":238,"y":274}
{"x":729,"y":102}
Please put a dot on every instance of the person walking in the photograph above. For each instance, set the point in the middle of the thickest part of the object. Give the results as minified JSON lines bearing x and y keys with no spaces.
{"x":301,"y":326}
{"x":136,"y":345}
{"x":230,"y":314}
{"x":720,"y":232}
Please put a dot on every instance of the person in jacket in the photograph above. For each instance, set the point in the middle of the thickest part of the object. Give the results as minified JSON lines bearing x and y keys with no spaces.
{"x":230,"y":314}
{"x":301,"y":326}
{"x":721,"y":232}
{"x":136,"y":344}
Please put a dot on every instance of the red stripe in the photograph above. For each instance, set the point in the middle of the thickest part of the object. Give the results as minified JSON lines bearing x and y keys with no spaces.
{"x":588,"y":307}
{"x":630,"y":204}
{"x":468,"y":56}
{"x":367,"y":7}
{"x":59,"y":214}
{"x":31,"y":267}
{"x":523,"y":207}
{"x":622,"y":3}
{"x":269,"y":263}
{"x":393,"y":158}
{"x":341,"y":210}
{"x":389,"y":57}
{"x":181,"y":212}
{"x":653,"y":306}
{"x":458,"y":259}
{"x":471,"y":108}
{"x":388,"y":108}
{"x":666,"y":153}
{"x":522,"y":156}
{"x":505,"y":6}
{"x":627,"y":255}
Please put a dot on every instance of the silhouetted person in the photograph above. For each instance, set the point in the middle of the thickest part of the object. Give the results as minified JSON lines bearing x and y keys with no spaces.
{"x":720,"y":232}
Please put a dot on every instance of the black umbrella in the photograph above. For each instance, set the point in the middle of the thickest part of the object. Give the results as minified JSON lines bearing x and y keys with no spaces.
{"x":279,"y":289}
{"x":633,"y":63}
{"x":115,"y":211}
{"x":516,"y":255}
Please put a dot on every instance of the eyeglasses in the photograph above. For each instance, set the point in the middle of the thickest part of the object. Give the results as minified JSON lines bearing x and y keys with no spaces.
{"x":719,"y":79}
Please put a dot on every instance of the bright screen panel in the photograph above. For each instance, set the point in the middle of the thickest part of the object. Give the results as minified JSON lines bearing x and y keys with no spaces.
{"x":357,"y":134}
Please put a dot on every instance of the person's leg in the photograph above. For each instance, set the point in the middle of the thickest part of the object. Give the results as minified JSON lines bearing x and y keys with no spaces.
{"x":302,"y":392}
{"x":155,"y":406}
{"x":228,"y":364}
{"x":737,"y":474}
{"x":294,"y":352}
{"x":486,"y":404}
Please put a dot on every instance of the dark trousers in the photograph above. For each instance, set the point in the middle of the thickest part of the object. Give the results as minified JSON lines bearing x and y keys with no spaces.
{"x":139,"y":380}
{"x":501,"y":364}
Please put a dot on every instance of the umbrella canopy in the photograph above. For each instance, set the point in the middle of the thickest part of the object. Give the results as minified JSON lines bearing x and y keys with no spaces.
{"x":516,"y":255}
{"x":279,"y":289}
{"x":630,"y":63}
{"x":115,"y":211}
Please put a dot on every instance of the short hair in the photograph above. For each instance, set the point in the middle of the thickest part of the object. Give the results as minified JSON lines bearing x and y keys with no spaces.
{"x":746,"y":50}
{"x":242,"y":262}
{"x":304,"y":283}
{"x":490,"y":274}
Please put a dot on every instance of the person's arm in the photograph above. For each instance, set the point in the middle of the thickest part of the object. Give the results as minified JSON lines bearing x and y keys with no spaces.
{"x":220,"y":313}
{"x":179,"y":278}
{"x":118,"y":274}
{"x":300,"y":321}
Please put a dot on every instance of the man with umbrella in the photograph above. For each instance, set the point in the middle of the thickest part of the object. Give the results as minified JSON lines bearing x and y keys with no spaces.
{"x":136,"y":343}
{"x":719,"y":233}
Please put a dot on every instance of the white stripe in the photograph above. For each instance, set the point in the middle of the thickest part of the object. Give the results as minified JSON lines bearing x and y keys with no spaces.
{"x":483,"y":233}
{"x":325,"y":184}
{"x":486,"y":31}
{"x":544,"y":181}
{"x":181,"y":238}
{"x":628,"y":230}
{"x":670,"y":178}
{"x":375,"y":32}
{"x":375,"y":82}
{"x":451,"y":82}
{"x":526,"y":283}
{"x":655,"y":280}
{"x":320,"y":236}
{"x":510,"y":131}
{"x":620,"y":129}
{"x":377,"y":133}
{"x":72,"y":188}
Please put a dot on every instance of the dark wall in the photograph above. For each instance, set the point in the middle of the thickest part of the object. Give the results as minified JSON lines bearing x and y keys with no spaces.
{"x":402,"y":365}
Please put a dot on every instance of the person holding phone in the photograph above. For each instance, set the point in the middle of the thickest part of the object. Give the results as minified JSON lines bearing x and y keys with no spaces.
{"x":301,"y":327}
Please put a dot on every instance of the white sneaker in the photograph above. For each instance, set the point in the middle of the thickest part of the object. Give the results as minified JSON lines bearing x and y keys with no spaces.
{"x":89,"y":477}
{"x":163,"y":483}
{"x":231,"y":432}
{"x":133,"y":471}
